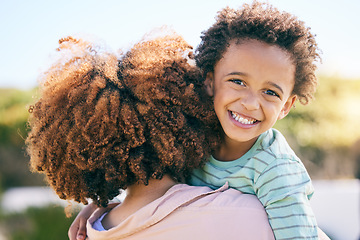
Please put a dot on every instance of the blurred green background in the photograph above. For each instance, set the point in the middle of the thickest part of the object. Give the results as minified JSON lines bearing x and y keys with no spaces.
{"x":325,"y":134}
{"x":35,"y":223}
{"x":48,"y":222}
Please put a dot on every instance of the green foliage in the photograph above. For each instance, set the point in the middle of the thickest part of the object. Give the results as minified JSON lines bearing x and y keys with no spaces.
{"x":14,"y":170}
{"x":37,"y":224}
{"x":331,"y":120}
{"x":14,"y":115}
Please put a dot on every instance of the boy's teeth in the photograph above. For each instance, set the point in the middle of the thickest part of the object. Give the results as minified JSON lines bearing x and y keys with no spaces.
{"x":241,"y":119}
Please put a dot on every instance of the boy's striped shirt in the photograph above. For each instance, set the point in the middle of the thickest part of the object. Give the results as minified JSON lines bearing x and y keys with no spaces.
{"x":271,"y":171}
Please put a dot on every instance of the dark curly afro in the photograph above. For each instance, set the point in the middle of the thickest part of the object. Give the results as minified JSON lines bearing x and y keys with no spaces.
{"x":103,"y":122}
{"x":262,"y":22}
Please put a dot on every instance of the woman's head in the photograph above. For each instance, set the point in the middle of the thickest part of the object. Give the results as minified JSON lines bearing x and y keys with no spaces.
{"x":103,"y":123}
{"x":264,"y":23}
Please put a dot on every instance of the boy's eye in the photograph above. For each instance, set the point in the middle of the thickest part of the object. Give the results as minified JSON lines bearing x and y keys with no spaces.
{"x":237,"y":81}
{"x":272,"y":93}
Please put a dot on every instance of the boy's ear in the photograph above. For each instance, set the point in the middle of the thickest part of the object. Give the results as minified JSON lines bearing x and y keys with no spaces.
{"x":287,"y":107}
{"x":209,"y":84}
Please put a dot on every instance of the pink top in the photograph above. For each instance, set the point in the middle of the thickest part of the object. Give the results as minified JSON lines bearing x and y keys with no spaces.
{"x":187,"y":212}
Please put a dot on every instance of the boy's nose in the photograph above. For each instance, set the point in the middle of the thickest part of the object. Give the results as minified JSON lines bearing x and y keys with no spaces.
{"x":250,"y":101}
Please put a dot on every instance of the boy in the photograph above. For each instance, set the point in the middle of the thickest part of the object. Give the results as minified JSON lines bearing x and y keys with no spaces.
{"x":257,"y":61}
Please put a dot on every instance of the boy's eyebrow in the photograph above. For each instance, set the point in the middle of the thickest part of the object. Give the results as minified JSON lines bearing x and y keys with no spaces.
{"x":237,"y":73}
{"x":276,"y":86}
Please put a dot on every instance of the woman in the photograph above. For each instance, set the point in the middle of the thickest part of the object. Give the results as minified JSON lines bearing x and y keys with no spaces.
{"x":136,"y":123}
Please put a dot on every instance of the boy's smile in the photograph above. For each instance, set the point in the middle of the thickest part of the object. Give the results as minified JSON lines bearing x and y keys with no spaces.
{"x":252,"y":88}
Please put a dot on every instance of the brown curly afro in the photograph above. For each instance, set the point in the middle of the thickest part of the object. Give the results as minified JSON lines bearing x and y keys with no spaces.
{"x":103,"y":123}
{"x":262,"y":22}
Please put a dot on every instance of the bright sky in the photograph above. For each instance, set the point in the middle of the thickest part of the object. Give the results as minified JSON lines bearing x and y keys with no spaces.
{"x":30,"y":30}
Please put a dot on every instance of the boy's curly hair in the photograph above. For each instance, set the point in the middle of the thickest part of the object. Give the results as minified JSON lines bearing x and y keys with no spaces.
{"x":104,"y":123}
{"x":262,"y":22}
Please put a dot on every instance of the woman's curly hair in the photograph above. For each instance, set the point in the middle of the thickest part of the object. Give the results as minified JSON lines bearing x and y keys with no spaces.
{"x":104,"y":123}
{"x":262,"y":22}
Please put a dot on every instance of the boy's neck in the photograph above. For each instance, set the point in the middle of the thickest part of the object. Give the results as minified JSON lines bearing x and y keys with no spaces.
{"x":230,"y":150}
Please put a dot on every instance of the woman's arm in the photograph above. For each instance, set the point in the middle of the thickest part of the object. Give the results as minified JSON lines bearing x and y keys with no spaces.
{"x":77,"y":230}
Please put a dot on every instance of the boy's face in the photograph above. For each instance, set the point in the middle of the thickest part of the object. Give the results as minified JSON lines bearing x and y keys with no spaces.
{"x":252,"y":88}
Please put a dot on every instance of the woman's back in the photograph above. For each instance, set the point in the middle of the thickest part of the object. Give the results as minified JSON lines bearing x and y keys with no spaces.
{"x":187,"y":212}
